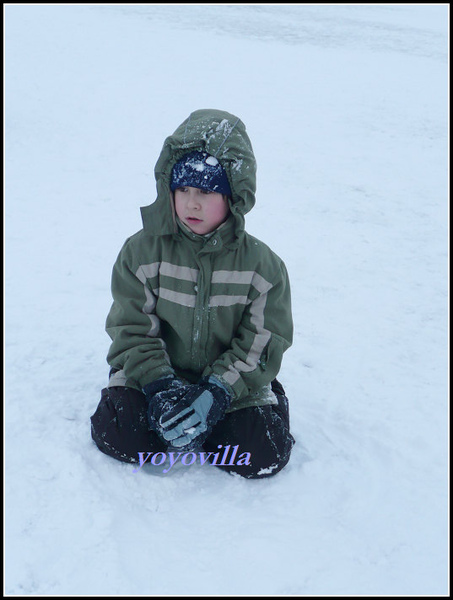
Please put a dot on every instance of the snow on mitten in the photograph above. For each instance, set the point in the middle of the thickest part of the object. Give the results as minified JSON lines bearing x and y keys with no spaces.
{"x":161,"y":395}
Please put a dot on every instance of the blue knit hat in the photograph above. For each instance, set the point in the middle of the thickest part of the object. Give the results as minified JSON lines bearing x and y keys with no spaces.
{"x":200,"y":170}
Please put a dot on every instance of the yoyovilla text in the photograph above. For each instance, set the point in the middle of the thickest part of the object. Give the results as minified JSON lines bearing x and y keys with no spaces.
{"x":189,"y":458}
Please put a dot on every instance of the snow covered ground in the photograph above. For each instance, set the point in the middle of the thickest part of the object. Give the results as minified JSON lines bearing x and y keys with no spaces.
{"x":347,"y":110}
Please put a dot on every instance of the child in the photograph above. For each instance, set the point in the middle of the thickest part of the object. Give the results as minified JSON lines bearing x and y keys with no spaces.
{"x":201,"y":314}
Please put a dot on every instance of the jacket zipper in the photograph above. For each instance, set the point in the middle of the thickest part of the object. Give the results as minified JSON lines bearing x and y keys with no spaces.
{"x":201,"y":316}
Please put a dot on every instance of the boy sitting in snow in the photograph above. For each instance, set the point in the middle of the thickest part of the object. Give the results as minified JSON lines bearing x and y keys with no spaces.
{"x":201,"y":313}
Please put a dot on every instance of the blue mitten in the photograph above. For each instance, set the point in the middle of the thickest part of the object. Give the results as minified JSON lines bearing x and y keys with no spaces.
{"x":192,"y":418}
{"x":161,"y":395}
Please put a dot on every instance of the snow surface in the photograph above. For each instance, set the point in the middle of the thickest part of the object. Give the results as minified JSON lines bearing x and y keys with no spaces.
{"x":346,"y":106}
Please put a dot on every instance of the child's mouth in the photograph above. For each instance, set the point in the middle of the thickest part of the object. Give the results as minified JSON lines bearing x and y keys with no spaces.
{"x":193,"y":220}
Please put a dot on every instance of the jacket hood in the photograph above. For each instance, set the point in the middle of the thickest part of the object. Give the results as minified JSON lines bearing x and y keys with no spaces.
{"x":222,"y":135}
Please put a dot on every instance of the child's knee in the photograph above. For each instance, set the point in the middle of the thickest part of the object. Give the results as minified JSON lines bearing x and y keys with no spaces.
{"x":263,"y":440}
{"x":119,"y":426}
{"x":261,"y":466}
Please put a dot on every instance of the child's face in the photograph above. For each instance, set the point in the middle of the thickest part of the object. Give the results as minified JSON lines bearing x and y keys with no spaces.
{"x":202,"y":211}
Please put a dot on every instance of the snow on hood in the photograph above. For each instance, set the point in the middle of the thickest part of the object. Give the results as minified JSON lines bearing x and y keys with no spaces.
{"x":222,"y":135}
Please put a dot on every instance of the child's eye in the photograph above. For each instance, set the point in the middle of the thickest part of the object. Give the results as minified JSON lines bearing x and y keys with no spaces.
{"x":206,"y":191}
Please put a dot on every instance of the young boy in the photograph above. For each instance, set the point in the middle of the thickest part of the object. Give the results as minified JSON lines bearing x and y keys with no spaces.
{"x":201,"y":314}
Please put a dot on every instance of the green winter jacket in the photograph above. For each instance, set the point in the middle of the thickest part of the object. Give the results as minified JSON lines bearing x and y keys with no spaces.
{"x":195,"y":305}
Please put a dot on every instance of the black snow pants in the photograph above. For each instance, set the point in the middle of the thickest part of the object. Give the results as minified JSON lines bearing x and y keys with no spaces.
{"x":119,"y":428}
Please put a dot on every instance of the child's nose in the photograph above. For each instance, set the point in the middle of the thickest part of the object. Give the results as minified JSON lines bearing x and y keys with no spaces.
{"x":193,"y":200}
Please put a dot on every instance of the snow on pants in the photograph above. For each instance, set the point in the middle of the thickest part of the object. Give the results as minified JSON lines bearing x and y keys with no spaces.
{"x":119,"y":428}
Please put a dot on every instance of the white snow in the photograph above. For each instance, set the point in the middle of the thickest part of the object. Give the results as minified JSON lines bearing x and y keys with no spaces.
{"x":211,"y":160}
{"x":346,"y":107}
